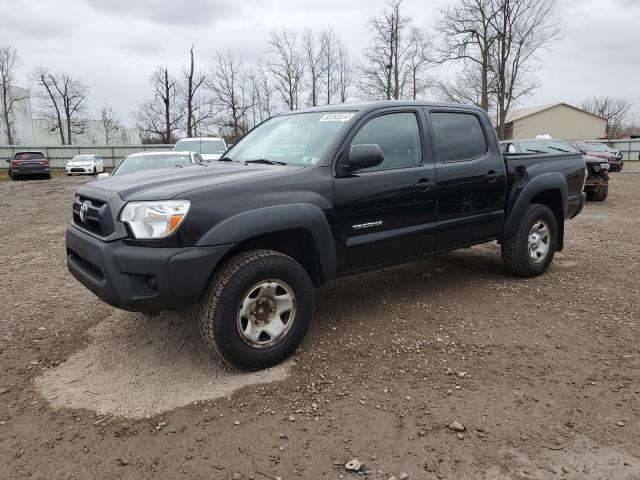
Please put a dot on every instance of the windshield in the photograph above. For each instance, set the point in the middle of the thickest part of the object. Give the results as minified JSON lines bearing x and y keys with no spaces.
{"x":204,"y":145}
{"x":136,"y":163}
{"x":82,"y":158}
{"x":547,"y":146}
{"x":593,"y":147}
{"x":298,"y":139}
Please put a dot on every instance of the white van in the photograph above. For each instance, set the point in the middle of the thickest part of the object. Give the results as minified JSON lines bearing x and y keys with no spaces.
{"x":209,"y":148}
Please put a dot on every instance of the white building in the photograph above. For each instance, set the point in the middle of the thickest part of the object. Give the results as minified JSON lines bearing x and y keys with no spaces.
{"x":38,"y":131}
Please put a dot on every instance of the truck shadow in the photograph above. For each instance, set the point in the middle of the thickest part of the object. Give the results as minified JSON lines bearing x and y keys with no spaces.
{"x":449,"y":274}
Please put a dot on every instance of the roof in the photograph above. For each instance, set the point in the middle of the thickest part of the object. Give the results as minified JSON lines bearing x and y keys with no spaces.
{"x":519,"y":114}
{"x":373,"y":104}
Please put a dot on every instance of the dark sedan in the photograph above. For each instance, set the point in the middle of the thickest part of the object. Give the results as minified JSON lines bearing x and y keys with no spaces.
{"x":28,"y":164}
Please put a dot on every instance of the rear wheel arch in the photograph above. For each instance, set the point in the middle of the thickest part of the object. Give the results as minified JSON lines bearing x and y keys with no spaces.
{"x":549,"y":189}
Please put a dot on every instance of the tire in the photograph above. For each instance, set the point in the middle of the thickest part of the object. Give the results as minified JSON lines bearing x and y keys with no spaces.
{"x":68,"y":174}
{"x":95,"y":172}
{"x":222,"y":323}
{"x":516,"y":254}
{"x":599,"y":194}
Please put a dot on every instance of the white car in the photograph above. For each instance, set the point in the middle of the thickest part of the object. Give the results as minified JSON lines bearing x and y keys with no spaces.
{"x":85,"y":164}
{"x":209,"y":148}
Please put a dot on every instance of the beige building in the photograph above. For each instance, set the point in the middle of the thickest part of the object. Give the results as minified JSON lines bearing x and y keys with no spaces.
{"x":559,"y":120}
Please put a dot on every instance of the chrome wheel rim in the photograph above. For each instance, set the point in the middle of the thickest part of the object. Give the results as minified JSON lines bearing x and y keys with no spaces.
{"x":266,"y":314}
{"x":539,"y":241}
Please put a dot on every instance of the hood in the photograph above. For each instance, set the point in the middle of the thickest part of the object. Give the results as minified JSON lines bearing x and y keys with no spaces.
{"x":167,"y":183}
{"x":80,"y":162}
{"x":593,"y":159}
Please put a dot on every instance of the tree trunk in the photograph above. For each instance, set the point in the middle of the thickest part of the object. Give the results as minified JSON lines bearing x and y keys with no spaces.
{"x":190,"y":98}
{"x":167,"y":108}
{"x":7,"y":120}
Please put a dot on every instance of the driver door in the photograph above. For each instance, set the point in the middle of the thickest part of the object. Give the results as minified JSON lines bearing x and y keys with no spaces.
{"x":387,"y":213}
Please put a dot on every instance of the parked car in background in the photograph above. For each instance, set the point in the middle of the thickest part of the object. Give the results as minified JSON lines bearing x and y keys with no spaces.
{"x":28,"y":164}
{"x":597,"y":184}
{"x":85,"y":165}
{"x":602,"y":151}
{"x":210,"y":148}
{"x":143,"y":161}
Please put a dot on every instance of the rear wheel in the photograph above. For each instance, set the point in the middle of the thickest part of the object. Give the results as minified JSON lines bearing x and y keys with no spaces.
{"x":257,"y":309}
{"x":530,"y":250}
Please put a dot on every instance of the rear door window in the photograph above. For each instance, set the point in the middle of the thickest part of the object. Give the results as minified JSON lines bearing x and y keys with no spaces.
{"x":458,"y":136}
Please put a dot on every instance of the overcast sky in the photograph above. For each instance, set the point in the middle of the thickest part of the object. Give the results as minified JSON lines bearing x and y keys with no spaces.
{"x":114,"y":45}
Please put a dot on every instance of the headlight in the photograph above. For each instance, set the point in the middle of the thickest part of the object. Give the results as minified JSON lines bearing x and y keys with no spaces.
{"x":154,"y":219}
{"x":604,"y":165}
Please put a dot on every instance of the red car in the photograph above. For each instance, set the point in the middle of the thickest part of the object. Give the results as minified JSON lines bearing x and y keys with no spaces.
{"x":600,"y":150}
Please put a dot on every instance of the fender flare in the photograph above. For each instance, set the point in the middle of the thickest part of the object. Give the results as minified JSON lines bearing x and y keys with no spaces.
{"x":260,"y":221}
{"x":522,"y":199}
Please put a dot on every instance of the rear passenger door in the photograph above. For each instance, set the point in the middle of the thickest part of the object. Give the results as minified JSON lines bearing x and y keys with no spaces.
{"x":388,"y":212}
{"x":471,"y":177}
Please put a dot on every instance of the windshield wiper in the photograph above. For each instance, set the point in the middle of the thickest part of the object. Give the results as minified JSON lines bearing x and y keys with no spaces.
{"x":265,"y":161}
{"x":560,"y":149}
{"x":176,"y":165}
{"x":534,"y":150}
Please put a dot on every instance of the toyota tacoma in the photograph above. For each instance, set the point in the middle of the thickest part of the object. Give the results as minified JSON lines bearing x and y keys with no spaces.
{"x":307,"y":197}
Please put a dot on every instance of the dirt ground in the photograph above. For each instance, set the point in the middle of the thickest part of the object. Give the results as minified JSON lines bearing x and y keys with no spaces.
{"x":541,"y":373}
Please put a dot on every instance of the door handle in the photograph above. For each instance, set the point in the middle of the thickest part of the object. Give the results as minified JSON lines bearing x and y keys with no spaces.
{"x":492,"y":176}
{"x":424,"y":185}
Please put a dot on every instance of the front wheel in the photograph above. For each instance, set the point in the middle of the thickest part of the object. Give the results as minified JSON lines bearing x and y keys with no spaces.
{"x":600,"y":193}
{"x":257,"y":309}
{"x":530,"y":250}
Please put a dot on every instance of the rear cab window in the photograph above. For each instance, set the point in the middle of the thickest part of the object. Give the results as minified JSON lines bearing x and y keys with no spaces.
{"x":458,"y":136}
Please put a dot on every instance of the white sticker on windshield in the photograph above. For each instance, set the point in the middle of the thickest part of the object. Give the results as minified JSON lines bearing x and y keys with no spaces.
{"x":337,"y":117}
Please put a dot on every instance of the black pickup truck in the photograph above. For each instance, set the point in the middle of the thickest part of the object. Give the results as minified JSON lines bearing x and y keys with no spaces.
{"x":307,"y":197}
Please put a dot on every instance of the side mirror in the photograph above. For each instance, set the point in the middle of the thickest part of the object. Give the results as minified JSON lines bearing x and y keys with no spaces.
{"x":8,"y":161}
{"x":361,"y":157}
{"x":102,"y":175}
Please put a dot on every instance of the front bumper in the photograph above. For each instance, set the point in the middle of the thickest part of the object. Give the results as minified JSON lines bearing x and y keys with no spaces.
{"x":79,"y":169}
{"x":142,"y":279}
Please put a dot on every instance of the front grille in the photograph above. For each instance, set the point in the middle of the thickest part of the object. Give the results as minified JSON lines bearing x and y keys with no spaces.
{"x":76,"y":169}
{"x":98,"y":216}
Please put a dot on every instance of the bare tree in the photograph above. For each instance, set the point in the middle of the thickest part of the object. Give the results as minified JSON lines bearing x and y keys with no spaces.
{"x":314,"y":49}
{"x":419,"y":58}
{"x":9,"y":62}
{"x":522,"y":27}
{"x":160,"y":115}
{"x":262,"y":102}
{"x":467,"y":34}
{"x":196,"y":111}
{"x":287,"y":67}
{"x":615,"y":111}
{"x":346,"y":71}
{"x":230,"y":88}
{"x":386,"y":57}
{"x":330,"y":45}
{"x":467,"y":88}
{"x":109,"y":124}
{"x":63,"y":102}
